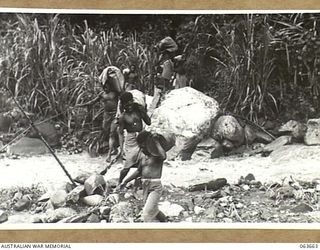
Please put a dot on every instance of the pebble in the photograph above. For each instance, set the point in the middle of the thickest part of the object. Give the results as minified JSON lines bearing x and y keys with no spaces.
{"x":245,"y":187}
{"x":220,"y":215}
{"x":198,"y":210}
{"x":3,"y":216}
{"x":239,"y":205}
{"x":128,"y":195}
{"x":227,"y":220}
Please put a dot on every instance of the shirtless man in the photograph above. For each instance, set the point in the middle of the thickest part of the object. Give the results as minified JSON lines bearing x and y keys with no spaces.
{"x":131,"y":121}
{"x":109,"y":99}
{"x":150,"y":169}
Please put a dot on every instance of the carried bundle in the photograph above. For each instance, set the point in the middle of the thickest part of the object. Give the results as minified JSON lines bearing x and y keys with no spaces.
{"x":166,"y":140}
{"x":112,"y":79}
{"x":167,"y":44}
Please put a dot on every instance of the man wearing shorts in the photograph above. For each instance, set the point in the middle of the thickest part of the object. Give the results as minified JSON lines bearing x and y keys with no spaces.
{"x":130,"y":120}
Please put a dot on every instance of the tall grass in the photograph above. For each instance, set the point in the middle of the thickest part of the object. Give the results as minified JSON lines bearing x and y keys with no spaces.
{"x":51,"y":66}
{"x":253,"y":64}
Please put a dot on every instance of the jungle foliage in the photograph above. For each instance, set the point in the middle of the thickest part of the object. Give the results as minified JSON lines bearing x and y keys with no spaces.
{"x":260,"y":66}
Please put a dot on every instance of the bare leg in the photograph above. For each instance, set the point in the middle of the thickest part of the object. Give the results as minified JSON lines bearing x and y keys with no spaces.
{"x":123,"y":174}
{"x":112,"y":139}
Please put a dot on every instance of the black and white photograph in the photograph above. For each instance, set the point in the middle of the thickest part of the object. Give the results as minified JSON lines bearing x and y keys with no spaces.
{"x":186,"y":118}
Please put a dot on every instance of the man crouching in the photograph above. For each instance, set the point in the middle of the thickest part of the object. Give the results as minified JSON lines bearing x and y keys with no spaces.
{"x":150,"y":169}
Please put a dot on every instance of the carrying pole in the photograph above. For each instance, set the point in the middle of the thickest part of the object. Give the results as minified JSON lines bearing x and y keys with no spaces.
{"x":40,"y":135}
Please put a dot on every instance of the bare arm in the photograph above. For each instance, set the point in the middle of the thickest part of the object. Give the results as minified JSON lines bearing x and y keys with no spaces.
{"x":121,"y":133}
{"x":162,"y":152}
{"x":133,"y":176}
{"x":144,"y":115}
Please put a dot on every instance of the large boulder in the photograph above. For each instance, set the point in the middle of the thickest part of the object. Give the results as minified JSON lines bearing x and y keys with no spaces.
{"x":227,"y":129}
{"x":95,"y":184}
{"x":28,"y":146}
{"x":48,"y":131}
{"x":122,"y":212}
{"x":5,"y":122}
{"x":294,"y":128}
{"x":312,"y":136}
{"x":185,"y":112}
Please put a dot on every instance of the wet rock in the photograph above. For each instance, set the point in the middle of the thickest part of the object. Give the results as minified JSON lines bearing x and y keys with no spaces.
{"x":239,"y":206}
{"x":302,"y":208}
{"x":272,"y":194}
{"x":105,"y":211}
{"x":17,"y":196}
{"x":174,"y":115}
{"x":112,"y":182}
{"x":75,"y":195}
{"x":45,"y":197}
{"x":198,"y":210}
{"x":52,"y":216}
{"x":20,"y":218}
{"x":27,"y":146}
{"x":128,"y":195}
{"x":6,"y":122}
{"x":188,"y":148}
{"x":296,"y":129}
{"x":245,"y":187}
{"x":211,"y":185}
{"x":249,"y":178}
{"x":82,"y":177}
{"x":93,"y":218}
{"x":213,"y":195}
{"x":77,"y":218}
{"x":93,"y":200}
{"x":59,"y":198}
{"x":3,"y":216}
{"x":277,"y":143}
{"x":285,"y":192}
{"x":113,"y":198}
{"x":316,"y":181}
{"x":48,"y":131}
{"x":298,"y":194}
{"x":220,"y":215}
{"x":217,"y":151}
{"x":266,"y":215}
{"x":227,"y":220}
{"x":226,"y":199}
{"x":211,"y":212}
{"x":122,"y":212}
{"x":228,"y":145}
{"x":169,"y":209}
{"x":223,"y":204}
{"x":249,"y":134}
{"x":95,"y":184}
{"x":227,"y":127}
{"x":22,"y":204}
{"x":207,"y":144}
{"x":312,"y":136}
{"x":256,"y":184}
{"x":314,"y":216}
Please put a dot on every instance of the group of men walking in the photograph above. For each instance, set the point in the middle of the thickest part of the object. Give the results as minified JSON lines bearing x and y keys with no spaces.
{"x":124,"y":118}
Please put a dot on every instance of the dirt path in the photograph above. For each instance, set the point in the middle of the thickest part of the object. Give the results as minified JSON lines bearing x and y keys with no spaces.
{"x":301,"y":162}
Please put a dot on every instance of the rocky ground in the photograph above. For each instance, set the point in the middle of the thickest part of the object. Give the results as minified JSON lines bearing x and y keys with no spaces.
{"x":282,"y":187}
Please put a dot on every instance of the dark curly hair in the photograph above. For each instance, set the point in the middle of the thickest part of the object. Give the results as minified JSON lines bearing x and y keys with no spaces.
{"x":126,"y":97}
{"x":143,"y":136}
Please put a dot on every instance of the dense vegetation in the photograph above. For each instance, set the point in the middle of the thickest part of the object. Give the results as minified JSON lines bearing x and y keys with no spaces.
{"x":261,"y":66}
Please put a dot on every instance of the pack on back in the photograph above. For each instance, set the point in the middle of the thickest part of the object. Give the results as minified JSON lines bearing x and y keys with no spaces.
{"x":113,"y":77}
{"x":167,"y":141}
